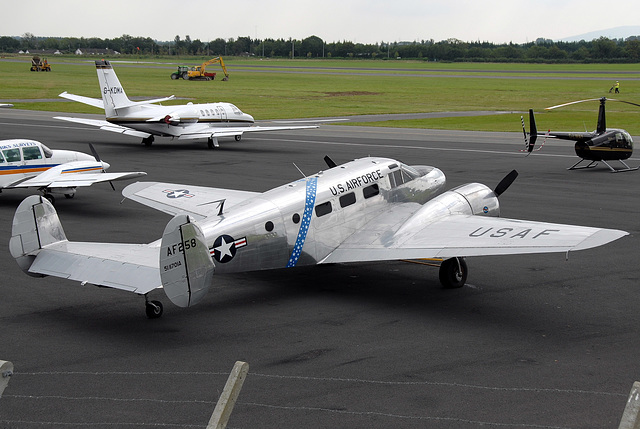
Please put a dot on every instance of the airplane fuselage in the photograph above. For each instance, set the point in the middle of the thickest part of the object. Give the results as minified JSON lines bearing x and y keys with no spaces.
{"x":613,"y":144}
{"x":302,"y":222}
{"x":21,"y":159}
{"x":173,"y":121}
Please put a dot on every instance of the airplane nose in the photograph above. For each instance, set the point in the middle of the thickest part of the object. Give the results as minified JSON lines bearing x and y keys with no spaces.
{"x":249,"y":118}
{"x":438,"y":177}
{"x":105,"y":165}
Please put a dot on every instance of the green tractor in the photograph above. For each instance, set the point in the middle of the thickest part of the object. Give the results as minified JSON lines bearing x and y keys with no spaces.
{"x":183,"y":72}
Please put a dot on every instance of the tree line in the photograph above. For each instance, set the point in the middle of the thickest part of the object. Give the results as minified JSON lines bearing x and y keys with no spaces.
{"x":541,"y":50}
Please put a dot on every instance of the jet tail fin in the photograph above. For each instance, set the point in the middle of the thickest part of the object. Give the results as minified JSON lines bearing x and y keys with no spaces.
{"x":35,"y":225}
{"x":186,"y":267}
{"x":113,"y":95}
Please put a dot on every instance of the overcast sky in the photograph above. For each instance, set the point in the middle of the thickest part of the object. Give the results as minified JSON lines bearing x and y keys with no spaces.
{"x":362,"y":21}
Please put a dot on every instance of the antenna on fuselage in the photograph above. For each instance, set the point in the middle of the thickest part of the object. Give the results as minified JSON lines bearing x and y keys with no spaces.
{"x":329,"y":161}
{"x":304,"y":176}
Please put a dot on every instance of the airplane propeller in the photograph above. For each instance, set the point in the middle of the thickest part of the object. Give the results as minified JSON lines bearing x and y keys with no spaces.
{"x":94,"y":152}
{"x":505,"y":183}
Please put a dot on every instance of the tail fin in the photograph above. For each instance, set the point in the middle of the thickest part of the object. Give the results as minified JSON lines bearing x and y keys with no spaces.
{"x":532,"y":136}
{"x":186,"y":267}
{"x":602,"y":119}
{"x":35,"y":225}
{"x":113,"y":95}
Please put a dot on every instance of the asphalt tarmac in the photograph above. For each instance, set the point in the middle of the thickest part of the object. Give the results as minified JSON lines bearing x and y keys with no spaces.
{"x":534,"y":341}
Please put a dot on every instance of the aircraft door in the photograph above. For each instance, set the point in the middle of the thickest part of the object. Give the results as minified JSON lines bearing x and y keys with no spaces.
{"x":13,"y":163}
{"x":220,"y":110}
{"x":32,"y":155}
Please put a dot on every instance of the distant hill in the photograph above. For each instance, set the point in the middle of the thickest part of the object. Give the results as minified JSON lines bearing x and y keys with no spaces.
{"x":610,"y":33}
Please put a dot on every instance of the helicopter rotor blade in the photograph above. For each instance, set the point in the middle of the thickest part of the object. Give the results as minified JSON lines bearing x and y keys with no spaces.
{"x":571,"y":102}
{"x":622,"y":101}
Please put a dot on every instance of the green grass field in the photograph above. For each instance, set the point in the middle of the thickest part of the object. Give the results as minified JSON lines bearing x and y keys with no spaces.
{"x":319,"y":88}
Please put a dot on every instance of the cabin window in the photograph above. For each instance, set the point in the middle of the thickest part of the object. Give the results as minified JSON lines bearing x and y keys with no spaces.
{"x":323,"y":209}
{"x":31,"y":153}
{"x":268,"y":226}
{"x":295,"y":218}
{"x":371,"y":191}
{"x":347,"y":199}
{"x":12,"y":155}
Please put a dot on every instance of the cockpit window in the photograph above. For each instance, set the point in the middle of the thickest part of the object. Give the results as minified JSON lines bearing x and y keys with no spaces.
{"x":403,"y":175}
{"x":31,"y":153}
{"x":236,"y":110}
{"x":48,"y":153}
{"x":1,"y":158}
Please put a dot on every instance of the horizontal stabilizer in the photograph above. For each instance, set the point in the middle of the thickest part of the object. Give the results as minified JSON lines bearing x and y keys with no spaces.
{"x":39,"y":245}
{"x":95,"y":102}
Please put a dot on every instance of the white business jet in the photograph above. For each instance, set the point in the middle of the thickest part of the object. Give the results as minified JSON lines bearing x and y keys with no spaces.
{"x":145,"y":119}
{"x":30,"y":164}
{"x":370,"y":209}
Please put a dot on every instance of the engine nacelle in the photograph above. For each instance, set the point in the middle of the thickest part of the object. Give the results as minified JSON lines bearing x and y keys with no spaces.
{"x":469,"y":199}
{"x":171,"y":120}
{"x":182,"y":116}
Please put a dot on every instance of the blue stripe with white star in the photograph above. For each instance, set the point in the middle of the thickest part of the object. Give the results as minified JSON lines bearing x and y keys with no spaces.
{"x":310,"y":201}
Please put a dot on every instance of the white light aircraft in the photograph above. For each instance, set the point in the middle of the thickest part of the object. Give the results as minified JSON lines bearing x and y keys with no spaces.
{"x":370,"y":209}
{"x":146,"y":119}
{"x":31,"y":164}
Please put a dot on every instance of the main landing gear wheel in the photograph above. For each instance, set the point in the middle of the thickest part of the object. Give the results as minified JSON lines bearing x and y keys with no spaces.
{"x":453,"y":273}
{"x":50,"y":198}
{"x":153,"y":309}
{"x":147,"y":141}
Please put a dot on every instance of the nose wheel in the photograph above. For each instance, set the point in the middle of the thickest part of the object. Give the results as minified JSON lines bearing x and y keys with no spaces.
{"x":153,"y":309}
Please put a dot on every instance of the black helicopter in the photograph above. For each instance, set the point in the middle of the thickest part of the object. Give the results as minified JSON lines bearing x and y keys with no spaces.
{"x":603,"y":144}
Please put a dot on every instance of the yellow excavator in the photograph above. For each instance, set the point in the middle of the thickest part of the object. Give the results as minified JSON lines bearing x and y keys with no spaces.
{"x":200,"y":72}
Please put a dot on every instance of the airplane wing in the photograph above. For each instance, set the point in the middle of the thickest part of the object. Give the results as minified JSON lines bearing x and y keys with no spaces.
{"x":105,"y":125}
{"x":466,"y":235}
{"x":74,"y":174}
{"x":197,"y":201}
{"x":95,"y":102}
{"x":214,"y":132}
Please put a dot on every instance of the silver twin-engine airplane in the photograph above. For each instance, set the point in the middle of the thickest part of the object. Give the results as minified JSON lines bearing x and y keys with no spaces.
{"x":30,"y":164}
{"x":145,"y":119}
{"x":369,"y":209}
